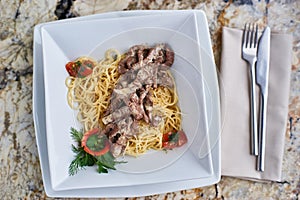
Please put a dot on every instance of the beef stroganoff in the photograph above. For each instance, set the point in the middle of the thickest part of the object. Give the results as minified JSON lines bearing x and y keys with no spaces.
{"x":127,"y":104}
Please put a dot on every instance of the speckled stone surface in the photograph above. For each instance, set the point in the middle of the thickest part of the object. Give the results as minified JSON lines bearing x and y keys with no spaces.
{"x":20,"y":175}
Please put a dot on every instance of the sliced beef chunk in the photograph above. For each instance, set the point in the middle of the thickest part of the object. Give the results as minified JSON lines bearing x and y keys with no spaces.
{"x":141,"y":69}
{"x":117,"y":115}
{"x":141,"y":55}
{"x":164,"y":79}
{"x":134,"y":105}
{"x":117,"y":149}
{"x":148,"y":106}
{"x":110,"y":129}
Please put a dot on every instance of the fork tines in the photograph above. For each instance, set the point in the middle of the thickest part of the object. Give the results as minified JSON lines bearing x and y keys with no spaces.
{"x":250,"y":30}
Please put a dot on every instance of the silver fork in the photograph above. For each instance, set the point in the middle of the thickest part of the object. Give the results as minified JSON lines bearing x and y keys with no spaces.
{"x":249,"y":54}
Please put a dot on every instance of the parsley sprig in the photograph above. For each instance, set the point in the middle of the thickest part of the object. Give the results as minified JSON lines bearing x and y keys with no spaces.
{"x":83,"y":159}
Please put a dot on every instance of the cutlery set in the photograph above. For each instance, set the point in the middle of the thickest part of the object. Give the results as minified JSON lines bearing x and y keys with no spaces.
{"x":256,"y":51}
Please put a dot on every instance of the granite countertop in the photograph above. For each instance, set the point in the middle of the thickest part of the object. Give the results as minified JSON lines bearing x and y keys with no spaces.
{"x":20,"y":171}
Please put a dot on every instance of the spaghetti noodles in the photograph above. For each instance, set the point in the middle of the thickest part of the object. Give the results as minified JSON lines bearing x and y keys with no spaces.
{"x":91,"y":97}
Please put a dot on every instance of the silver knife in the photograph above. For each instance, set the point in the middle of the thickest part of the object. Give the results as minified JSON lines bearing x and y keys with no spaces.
{"x":262,"y":78}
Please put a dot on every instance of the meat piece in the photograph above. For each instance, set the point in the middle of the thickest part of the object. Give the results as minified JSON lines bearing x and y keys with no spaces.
{"x":169,"y":57}
{"x":134,"y":128}
{"x":160,"y":55}
{"x":122,"y":67}
{"x":148,"y":106}
{"x":119,"y":142}
{"x":117,"y":149}
{"x":143,"y":94}
{"x":141,"y":55}
{"x":137,"y":106}
{"x":126,"y":126}
{"x":114,"y":138}
{"x":117,"y":115}
{"x":122,"y":127}
{"x":154,"y":75}
{"x":164,"y":79}
{"x":126,"y":78}
{"x":144,"y":77}
{"x":122,"y":140}
{"x":141,"y":68}
{"x":117,"y":101}
{"x":131,"y":61}
{"x":110,"y":129}
{"x":127,"y":62}
{"x":154,"y":54}
{"x":134,"y":106}
{"x":131,"y":57}
{"x":134,"y":49}
{"x":126,"y":129}
{"x":134,"y":97}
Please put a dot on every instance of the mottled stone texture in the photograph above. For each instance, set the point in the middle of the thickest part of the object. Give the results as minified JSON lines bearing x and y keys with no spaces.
{"x":19,"y":163}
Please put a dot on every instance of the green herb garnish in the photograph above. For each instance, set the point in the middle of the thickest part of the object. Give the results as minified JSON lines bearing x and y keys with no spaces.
{"x":83,"y":159}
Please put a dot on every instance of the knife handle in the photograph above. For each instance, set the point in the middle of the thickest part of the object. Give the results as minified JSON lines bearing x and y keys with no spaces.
{"x":262,"y":133}
{"x":254,"y":127}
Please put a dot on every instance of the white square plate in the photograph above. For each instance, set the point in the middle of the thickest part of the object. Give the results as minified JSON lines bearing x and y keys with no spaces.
{"x":203,"y":171}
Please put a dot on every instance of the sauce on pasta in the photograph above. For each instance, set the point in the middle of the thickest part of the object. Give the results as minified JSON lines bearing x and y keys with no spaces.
{"x":94,"y":90}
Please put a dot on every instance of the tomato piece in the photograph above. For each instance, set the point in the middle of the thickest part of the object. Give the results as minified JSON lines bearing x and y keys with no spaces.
{"x":79,"y":68}
{"x":171,"y":139}
{"x":165,"y":137}
{"x":71,"y":69}
{"x":86,"y":68}
{"x":182,"y":139}
{"x":169,"y":145}
{"x":88,"y":63}
{"x":94,"y":143}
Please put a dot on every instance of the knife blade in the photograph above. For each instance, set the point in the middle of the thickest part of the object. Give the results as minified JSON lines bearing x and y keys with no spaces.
{"x":262,"y":80}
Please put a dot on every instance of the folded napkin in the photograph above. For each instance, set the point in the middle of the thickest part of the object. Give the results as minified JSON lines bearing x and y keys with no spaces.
{"x":235,"y":104}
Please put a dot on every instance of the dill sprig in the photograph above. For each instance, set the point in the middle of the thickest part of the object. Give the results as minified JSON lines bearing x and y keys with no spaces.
{"x":82,"y":158}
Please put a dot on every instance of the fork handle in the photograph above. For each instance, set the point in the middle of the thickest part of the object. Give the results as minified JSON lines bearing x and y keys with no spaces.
{"x":254,"y":135}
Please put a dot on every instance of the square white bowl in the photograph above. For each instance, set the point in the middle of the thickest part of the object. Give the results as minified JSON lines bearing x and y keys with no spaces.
{"x":211,"y":91}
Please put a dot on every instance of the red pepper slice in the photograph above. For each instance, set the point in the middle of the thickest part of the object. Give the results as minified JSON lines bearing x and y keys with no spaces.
{"x":95,"y":143}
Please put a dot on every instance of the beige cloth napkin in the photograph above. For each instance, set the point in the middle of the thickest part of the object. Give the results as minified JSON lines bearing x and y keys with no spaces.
{"x":235,"y":103}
